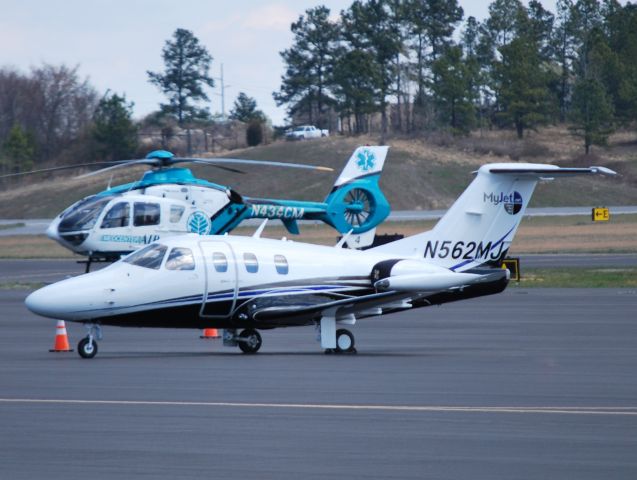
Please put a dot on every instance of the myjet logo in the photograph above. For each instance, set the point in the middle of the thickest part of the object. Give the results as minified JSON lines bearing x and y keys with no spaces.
{"x":512,"y":202}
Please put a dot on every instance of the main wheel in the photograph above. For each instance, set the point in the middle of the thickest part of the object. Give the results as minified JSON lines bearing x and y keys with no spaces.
{"x":344,"y":341}
{"x":86,"y":348}
{"x":250,"y":341}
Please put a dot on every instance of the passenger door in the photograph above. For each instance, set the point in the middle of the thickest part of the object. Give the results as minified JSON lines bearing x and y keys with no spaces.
{"x":221,"y":279}
{"x":115,"y":228}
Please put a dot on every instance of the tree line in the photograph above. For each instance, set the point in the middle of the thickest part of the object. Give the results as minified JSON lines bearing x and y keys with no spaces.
{"x":403,"y":66}
{"x":420,"y":65}
{"x":50,"y":115}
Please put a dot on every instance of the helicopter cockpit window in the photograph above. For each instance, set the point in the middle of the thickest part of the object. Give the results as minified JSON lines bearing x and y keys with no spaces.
{"x":146,"y":214}
{"x":117,"y":216}
{"x":84,"y":215}
{"x":148,"y":257}
{"x":176,"y":212}
{"x":180,"y":259}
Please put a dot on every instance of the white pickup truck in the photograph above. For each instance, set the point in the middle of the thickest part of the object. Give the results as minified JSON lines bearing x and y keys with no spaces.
{"x":304,"y":132}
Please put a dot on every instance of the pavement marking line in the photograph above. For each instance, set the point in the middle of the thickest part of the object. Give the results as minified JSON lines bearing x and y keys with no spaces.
{"x":625,"y":411}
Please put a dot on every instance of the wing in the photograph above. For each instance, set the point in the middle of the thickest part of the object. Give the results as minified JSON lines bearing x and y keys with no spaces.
{"x":303,"y":314}
{"x":373,"y":304}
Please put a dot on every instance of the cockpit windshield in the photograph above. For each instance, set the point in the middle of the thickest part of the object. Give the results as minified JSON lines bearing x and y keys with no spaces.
{"x":84,"y":215}
{"x":148,"y":257}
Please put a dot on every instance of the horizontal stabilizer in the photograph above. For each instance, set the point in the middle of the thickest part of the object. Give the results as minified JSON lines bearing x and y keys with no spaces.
{"x":547,"y":170}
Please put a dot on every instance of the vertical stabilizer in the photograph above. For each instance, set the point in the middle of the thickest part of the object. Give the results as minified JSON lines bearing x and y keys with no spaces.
{"x":356,"y":202}
{"x":480,"y":226}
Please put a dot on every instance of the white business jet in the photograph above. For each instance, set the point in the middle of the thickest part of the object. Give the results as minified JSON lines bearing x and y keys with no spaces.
{"x":246,"y":284}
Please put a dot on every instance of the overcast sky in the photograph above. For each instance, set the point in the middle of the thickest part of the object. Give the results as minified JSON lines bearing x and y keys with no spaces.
{"x":115,"y":42}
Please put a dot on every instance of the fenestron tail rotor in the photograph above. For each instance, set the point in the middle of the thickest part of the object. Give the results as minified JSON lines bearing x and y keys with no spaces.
{"x":359,"y":205}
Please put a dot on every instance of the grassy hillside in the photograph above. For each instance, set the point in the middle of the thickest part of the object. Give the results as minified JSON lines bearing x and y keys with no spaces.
{"x":422,"y":173}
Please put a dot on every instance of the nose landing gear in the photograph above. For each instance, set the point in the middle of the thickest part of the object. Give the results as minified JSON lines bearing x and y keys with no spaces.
{"x":87,"y":347}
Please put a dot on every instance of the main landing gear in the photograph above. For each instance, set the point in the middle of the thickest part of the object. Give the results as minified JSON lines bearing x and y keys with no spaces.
{"x":248,"y":341}
{"x":344,"y":342}
{"x":87,"y":347}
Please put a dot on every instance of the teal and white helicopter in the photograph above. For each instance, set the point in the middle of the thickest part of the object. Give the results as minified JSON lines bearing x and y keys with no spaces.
{"x":169,"y":200}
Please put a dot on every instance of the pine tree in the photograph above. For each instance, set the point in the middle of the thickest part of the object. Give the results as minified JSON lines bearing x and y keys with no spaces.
{"x":621,"y":64}
{"x":309,"y":64}
{"x":245,"y":109}
{"x":430,"y":25}
{"x":563,"y":46}
{"x":18,"y":151}
{"x":453,"y":91}
{"x":186,"y":63}
{"x":114,"y":131}
{"x":522,"y":86}
{"x":370,"y":26}
{"x":592,"y":113}
{"x":356,"y":85}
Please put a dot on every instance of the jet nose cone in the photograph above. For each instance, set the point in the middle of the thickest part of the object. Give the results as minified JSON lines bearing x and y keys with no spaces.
{"x":39,"y":302}
{"x":50,"y":301}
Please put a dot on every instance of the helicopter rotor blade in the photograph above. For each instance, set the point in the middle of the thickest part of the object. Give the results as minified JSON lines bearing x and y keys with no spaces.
{"x":221,"y":167}
{"x":55,"y":169}
{"x":119,"y":164}
{"x":166,"y":159}
{"x":241,"y":161}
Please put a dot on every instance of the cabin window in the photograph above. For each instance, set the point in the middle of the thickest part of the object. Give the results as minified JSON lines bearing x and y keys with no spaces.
{"x":220,"y":262}
{"x":176,"y":212}
{"x":117,"y":216}
{"x":251,"y":262}
{"x":281,"y":264}
{"x":148,"y":257}
{"x":180,"y":259}
{"x":146,"y":214}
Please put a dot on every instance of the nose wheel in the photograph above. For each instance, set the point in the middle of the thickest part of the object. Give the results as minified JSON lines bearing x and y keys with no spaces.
{"x":87,"y":347}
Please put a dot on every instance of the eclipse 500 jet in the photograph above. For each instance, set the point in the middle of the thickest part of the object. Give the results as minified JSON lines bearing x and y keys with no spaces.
{"x":247,"y":284}
{"x":170,"y":200}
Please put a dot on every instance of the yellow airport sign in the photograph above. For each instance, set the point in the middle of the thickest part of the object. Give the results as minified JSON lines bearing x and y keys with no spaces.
{"x":601,"y":214}
{"x":513,"y":266}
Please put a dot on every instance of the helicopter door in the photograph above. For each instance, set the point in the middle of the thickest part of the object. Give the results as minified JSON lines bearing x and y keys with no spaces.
{"x":115,"y":227}
{"x":146,"y":222}
{"x":222,"y":282}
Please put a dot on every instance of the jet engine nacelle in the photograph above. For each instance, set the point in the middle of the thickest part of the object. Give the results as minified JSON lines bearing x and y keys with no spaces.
{"x":417,"y":275}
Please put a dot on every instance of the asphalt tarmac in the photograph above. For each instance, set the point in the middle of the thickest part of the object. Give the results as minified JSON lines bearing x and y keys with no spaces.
{"x":527,"y":384}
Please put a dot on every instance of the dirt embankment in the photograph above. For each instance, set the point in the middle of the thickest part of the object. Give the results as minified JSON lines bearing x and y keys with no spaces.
{"x":420,"y":173}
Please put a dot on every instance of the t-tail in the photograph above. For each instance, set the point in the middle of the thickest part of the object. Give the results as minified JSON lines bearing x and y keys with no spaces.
{"x":479,"y":227}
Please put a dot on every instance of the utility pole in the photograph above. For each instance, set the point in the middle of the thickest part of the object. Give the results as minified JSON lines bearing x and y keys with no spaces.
{"x":223,"y":94}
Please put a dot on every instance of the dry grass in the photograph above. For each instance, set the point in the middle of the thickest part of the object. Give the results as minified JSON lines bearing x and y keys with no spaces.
{"x":32,"y":246}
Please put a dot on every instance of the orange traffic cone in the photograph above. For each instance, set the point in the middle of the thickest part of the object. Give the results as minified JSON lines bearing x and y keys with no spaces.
{"x":61,"y":339}
{"x":210,"y":333}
